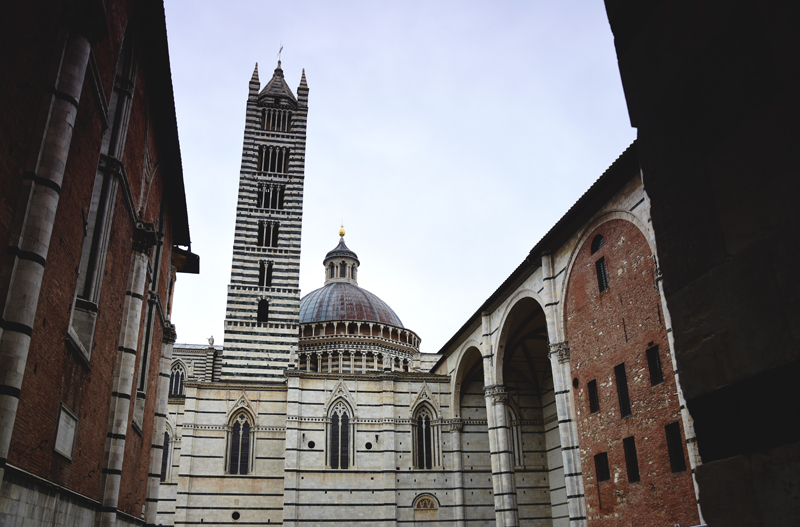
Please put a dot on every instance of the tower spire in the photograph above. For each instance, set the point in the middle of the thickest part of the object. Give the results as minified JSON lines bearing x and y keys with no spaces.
{"x":255,"y":84}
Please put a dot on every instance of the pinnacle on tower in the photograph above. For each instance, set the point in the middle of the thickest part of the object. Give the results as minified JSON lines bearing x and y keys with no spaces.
{"x":255,"y":84}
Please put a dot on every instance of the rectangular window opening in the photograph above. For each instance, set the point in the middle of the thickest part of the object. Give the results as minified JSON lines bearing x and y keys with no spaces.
{"x":594,"y":400}
{"x":602,"y":276}
{"x":675,"y":447}
{"x":601,"y":467}
{"x":631,"y":461}
{"x":654,"y":364}
{"x":622,"y":390}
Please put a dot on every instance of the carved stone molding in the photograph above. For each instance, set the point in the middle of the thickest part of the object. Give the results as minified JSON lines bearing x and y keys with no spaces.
{"x":144,"y":237}
{"x":456,"y":425}
{"x":560,"y":350}
{"x":169,"y":335}
{"x":497,"y":393}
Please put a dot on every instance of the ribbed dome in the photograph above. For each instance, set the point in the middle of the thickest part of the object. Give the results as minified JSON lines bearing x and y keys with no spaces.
{"x":345,"y":301}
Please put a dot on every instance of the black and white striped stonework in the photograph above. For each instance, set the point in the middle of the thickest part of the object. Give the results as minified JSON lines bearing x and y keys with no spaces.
{"x":262,"y":319}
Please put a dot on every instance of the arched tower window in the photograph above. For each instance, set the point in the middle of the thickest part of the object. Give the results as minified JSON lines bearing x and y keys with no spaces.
{"x":339,"y":436}
{"x":176,"y":379}
{"x":426,"y":439}
{"x":343,"y":270}
{"x":265,"y":273}
{"x":597,"y":243}
{"x":239,"y":444}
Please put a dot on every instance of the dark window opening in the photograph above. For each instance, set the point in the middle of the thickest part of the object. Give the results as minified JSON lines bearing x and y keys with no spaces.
{"x":343,"y":270}
{"x":594,"y":400}
{"x":602,"y":276}
{"x":274,"y":243}
{"x":675,"y":447}
{"x":597,"y":243}
{"x":340,"y":438}
{"x":631,"y":462}
{"x":165,"y":457}
{"x":265,"y":274}
{"x":622,"y":390}
{"x":654,"y":364}
{"x":601,"y":467}
{"x":263,"y":310}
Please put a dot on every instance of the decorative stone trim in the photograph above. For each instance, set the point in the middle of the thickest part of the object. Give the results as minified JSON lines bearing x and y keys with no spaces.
{"x":144,"y":237}
{"x":168,"y":335}
{"x":497,"y":393}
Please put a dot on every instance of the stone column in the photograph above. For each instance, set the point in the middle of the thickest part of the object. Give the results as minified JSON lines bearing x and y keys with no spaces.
{"x":458,"y":476}
{"x":504,"y":485}
{"x":157,"y":447}
{"x":567,"y":429}
{"x":144,"y":239}
{"x":29,"y":241}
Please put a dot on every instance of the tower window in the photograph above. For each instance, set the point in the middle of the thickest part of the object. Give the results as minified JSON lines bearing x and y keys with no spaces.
{"x":594,"y":400}
{"x":654,"y":364}
{"x":622,"y":390}
{"x":263,"y":310}
{"x":267,"y":234}
{"x":631,"y":462}
{"x":264,"y":274}
{"x":601,"y":467}
{"x":343,"y":270}
{"x":602,"y":276}
{"x":239,"y":445}
{"x":425,"y":440}
{"x":675,"y":447}
{"x":597,"y":243}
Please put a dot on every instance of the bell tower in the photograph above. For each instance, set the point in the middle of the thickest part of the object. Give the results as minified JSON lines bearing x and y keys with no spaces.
{"x":262,"y":315}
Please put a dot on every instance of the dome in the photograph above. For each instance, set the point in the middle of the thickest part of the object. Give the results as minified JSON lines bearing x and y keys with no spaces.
{"x":345,"y":301}
{"x":340,"y":250}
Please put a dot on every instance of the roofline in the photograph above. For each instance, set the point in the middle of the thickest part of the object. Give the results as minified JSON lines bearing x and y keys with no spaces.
{"x":163,"y":101}
{"x":613,"y":179}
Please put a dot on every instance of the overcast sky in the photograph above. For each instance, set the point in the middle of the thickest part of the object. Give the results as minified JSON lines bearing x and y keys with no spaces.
{"x":448,"y":136}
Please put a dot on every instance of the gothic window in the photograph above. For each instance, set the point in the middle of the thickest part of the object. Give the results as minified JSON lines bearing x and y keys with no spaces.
{"x":176,"y":379}
{"x":265,"y":273}
{"x":165,"y":457}
{"x":263,"y":310}
{"x":239,"y":444}
{"x":597,"y":243}
{"x":339,"y":434}
{"x":426,"y":439}
{"x":602,"y":276}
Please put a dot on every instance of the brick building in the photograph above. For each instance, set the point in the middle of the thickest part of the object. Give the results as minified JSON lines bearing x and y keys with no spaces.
{"x":94,"y":227}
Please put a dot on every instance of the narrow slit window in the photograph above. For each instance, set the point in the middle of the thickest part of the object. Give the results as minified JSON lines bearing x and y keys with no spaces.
{"x":268,"y":280}
{"x":631,"y":461}
{"x":654,"y":365}
{"x":602,"y":275}
{"x":601,"y":468}
{"x":675,"y":447}
{"x":594,"y":400}
{"x":165,"y":457}
{"x":622,"y":390}
{"x":274,"y":241}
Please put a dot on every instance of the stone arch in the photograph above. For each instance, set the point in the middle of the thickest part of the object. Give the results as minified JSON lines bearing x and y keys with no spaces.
{"x":464,"y":363}
{"x":514,"y":304}
{"x":590,"y":228}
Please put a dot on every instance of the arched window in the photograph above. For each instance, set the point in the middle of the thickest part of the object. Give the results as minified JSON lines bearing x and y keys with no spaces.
{"x":263,"y":310}
{"x":597,"y":243}
{"x":176,"y":379}
{"x":239,"y":444}
{"x":339,"y":435}
{"x":426,"y":452}
{"x":343,"y":270}
{"x":165,"y":457}
{"x":330,"y":270}
{"x":265,"y":273}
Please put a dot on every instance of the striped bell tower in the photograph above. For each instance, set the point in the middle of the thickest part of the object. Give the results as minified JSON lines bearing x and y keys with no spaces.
{"x":262,"y":316}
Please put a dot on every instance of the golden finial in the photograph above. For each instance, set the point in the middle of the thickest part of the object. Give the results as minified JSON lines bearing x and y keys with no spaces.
{"x":341,"y":231}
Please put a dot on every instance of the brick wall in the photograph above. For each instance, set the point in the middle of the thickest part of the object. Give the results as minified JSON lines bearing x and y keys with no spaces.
{"x":606,"y":329}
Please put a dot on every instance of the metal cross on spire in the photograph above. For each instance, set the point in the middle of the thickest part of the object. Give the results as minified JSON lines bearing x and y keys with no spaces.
{"x":279,"y":52}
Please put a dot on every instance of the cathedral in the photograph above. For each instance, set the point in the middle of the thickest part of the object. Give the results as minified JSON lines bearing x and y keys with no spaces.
{"x":556,"y":404}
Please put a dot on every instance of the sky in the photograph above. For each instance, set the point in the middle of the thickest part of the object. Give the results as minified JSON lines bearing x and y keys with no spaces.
{"x":448,"y":137}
